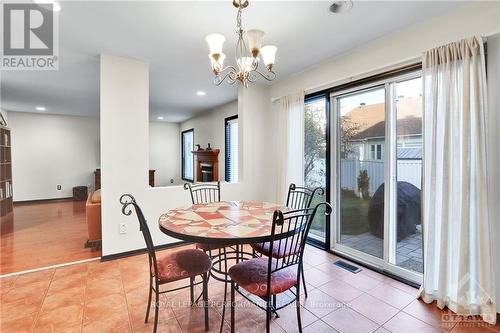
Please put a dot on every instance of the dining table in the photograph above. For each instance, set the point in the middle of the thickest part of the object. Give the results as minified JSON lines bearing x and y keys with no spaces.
{"x":222,"y":223}
{"x":230,"y":224}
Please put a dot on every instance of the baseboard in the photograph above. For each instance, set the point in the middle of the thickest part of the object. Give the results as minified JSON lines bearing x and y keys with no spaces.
{"x":140,"y":251}
{"x":41,"y":200}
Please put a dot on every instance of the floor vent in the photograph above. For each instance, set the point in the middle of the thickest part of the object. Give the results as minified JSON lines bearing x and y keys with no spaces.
{"x":348,"y":267}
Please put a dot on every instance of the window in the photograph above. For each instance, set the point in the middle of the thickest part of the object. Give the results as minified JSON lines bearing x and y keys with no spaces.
{"x":187,"y":146}
{"x":376,"y":152}
{"x":231,"y":164}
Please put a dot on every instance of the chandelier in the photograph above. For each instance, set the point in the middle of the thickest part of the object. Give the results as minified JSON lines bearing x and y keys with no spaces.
{"x":247,"y":61}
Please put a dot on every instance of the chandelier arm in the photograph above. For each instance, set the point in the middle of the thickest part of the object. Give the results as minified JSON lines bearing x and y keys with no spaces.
{"x":230,"y":75}
{"x":268,"y":75}
{"x":229,"y":68}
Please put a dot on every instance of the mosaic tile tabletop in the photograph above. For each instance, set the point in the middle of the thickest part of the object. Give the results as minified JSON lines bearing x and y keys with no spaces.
{"x":220,"y":221}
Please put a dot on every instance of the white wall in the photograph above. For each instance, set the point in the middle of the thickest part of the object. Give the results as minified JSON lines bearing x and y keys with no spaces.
{"x":124,"y":93}
{"x":209,"y":128}
{"x":48,"y":150}
{"x":493,"y":123}
{"x":164,"y":152}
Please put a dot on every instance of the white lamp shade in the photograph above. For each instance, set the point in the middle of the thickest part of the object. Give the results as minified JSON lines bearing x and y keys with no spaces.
{"x":254,"y":38}
{"x":268,"y":53}
{"x":215,"y":43}
{"x":245,"y":63}
{"x":217,"y":64}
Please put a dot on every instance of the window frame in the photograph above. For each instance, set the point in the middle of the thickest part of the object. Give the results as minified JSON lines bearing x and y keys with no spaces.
{"x":356,"y":83}
{"x":387,"y":264}
{"x":323,"y":244}
{"x":227,"y":176}
{"x":182,"y":155}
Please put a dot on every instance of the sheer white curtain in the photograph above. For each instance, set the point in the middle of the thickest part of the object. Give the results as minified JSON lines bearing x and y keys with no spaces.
{"x":289,"y":142}
{"x":458,"y":271}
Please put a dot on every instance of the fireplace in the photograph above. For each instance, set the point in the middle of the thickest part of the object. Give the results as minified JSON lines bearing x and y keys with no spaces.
{"x":207,"y":172}
{"x":207,"y":165}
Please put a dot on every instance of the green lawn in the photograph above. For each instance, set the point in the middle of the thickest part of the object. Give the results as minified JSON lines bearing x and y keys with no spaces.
{"x":354,"y":214}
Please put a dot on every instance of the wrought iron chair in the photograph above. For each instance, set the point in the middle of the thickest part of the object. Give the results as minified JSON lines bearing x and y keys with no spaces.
{"x":171,"y":267}
{"x":266,"y":277}
{"x":202,"y":193}
{"x":297,"y":198}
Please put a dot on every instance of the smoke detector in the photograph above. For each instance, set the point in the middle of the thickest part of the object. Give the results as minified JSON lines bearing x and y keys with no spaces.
{"x":338,"y":7}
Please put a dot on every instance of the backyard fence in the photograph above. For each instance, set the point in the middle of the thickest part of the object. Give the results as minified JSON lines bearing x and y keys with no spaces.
{"x":407,"y":170}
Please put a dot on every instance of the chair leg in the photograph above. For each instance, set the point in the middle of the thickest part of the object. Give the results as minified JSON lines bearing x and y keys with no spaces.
{"x":232,"y":306}
{"x":157,"y":308}
{"x":191,"y":290}
{"x":149,"y":299}
{"x":297,"y":305}
{"x":303,"y":281}
{"x":205,"y":300}
{"x":269,"y":308}
{"x":224,"y":306}
{"x":274,"y":307}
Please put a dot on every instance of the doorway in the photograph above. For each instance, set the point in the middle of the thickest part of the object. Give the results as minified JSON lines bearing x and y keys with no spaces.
{"x":376,"y":158}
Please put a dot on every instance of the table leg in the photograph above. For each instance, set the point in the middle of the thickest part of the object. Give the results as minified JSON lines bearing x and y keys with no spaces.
{"x":225,"y":292}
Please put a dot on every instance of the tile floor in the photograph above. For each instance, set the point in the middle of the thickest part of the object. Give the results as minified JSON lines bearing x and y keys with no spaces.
{"x":111,"y":297}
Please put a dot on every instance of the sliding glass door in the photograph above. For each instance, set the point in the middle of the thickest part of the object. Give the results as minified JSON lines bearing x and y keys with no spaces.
{"x":376,"y":165}
{"x":315,"y":158}
{"x":361,"y":148}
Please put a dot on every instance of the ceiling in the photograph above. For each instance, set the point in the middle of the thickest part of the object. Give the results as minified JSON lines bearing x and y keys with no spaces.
{"x":170,"y":37}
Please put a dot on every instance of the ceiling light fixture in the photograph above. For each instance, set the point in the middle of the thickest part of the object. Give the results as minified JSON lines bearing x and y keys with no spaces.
{"x":160,"y":118}
{"x":341,"y":6}
{"x":201,"y":93}
{"x":41,"y":108}
{"x":247,"y":62}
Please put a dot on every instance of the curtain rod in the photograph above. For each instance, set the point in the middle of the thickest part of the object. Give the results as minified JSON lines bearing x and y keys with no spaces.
{"x":378,"y":70}
{"x":355,"y":77}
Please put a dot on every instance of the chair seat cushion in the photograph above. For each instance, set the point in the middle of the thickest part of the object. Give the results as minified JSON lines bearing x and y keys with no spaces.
{"x":251,"y":275}
{"x":183,"y":264}
{"x":278,"y":251}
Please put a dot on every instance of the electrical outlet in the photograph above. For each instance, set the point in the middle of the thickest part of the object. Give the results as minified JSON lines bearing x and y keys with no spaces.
{"x":59,"y":187}
{"x":123,"y":228}
{"x":171,"y":180}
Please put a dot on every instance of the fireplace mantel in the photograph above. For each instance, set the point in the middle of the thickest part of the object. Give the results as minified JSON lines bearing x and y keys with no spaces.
{"x":207,"y":165}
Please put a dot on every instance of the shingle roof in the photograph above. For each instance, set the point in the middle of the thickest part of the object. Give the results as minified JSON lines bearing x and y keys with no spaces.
{"x":371,"y":119}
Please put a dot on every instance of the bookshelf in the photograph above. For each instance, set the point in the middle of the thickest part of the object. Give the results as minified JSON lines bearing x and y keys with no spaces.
{"x":5,"y":172}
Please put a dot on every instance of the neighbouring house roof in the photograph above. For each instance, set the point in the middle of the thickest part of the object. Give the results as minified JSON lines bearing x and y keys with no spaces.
{"x":370,"y":119}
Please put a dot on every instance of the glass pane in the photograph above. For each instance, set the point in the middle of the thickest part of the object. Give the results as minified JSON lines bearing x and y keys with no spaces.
{"x":188,"y":155}
{"x":409,"y":147}
{"x":362,"y":144}
{"x":315,"y":158}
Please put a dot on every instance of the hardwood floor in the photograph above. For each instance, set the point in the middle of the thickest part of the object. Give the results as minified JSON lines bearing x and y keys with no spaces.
{"x":112,"y":296}
{"x":43,"y":234}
